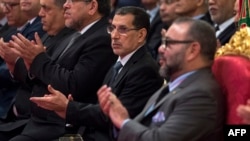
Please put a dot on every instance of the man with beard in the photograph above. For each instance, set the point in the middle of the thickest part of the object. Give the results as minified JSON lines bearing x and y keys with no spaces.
{"x":191,"y":100}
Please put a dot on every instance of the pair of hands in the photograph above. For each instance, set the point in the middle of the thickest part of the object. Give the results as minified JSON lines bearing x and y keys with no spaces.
{"x":109,"y":103}
{"x":244,"y":112}
{"x":19,"y":46}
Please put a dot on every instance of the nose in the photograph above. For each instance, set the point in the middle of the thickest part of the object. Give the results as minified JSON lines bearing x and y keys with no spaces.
{"x":41,"y":13}
{"x":66,"y":4}
{"x":114,"y":34}
{"x":161,"y":49}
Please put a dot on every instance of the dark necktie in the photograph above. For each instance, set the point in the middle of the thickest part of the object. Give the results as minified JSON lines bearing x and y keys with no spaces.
{"x":116,"y":68}
{"x":164,"y":92}
{"x":74,"y":37}
{"x":216,"y":28}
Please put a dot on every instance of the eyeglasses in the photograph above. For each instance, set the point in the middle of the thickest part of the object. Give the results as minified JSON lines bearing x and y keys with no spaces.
{"x":9,"y":6}
{"x":72,"y":1}
{"x":166,"y":42}
{"x":121,"y":30}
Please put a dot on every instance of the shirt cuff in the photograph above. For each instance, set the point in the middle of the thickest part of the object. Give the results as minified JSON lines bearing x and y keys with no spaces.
{"x":125,"y":121}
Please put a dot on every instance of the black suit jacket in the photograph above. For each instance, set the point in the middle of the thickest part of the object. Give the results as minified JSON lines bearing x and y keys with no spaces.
{"x":80,"y":72}
{"x":7,"y":31}
{"x":207,"y":18}
{"x":22,"y":101}
{"x":9,"y":87}
{"x":225,"y":36}
{"x":136,"y":82}
{"x":154,"y":35}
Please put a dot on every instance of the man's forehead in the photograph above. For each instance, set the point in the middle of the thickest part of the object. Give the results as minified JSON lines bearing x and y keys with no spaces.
{"x":124,"y":19}
{"x":177,"y":29}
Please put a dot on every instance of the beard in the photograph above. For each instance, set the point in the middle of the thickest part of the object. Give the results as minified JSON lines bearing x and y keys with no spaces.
{"x":165,"y":72}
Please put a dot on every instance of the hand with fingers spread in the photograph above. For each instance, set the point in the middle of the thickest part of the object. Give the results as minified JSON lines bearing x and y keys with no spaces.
{"x":112,"y":106}
{"x":27,"y":49}
{"x":8,"y":54}
{"x":55,"y":101}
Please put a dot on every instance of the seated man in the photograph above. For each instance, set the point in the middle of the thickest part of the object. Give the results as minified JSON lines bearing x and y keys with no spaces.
{"x":136,"y":81}
{"x":193,"y":110}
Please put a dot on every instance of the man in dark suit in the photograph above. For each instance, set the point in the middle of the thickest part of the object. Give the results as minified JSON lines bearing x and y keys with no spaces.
{"x":222,"y":14}
{"x":154,"y":35}
{"x":194,"y":100}
{"x":128,"y":31}
{"x":31,"y":9}
{"x":193,"y":9}
{"x":16,"y":19}
{"x":78,"y":69}
{"x":51,"y":14}
{"x":15,"y":16}
{"x":4,"y":26}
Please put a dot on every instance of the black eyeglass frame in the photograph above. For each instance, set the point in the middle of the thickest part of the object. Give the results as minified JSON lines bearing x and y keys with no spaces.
{"x":121,"y":30}
{"x":167,"y":42}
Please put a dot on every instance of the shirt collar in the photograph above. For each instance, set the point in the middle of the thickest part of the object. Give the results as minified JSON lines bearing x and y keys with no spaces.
{"x":224,"y":25}
{"x":153,"y":12}
{"x":125,"y":59}
{"x":178,"y":80}
{"x":87,"y":27}
{"x":3,"y":21}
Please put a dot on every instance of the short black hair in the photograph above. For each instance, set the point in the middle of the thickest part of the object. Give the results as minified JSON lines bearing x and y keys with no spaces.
{"x":141,"y":17}
{"x":104,"y":7}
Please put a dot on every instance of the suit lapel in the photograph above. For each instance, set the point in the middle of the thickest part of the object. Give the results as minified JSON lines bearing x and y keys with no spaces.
{"x":134,"y":58}
{"x":174,"y":92}
{"x":227,"y":33}
{"x":91,"y":31}
{"x":148,"y":105}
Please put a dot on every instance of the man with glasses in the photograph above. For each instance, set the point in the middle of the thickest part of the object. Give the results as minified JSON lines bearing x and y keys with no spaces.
{"x":51,"y":14}
{"x":136,"y":81}
{"x":191,"y":106}
{"x":31,"y":9}
{"x":77,"y":69}
{"x":16,"y":19}
{"x":15,"y":16}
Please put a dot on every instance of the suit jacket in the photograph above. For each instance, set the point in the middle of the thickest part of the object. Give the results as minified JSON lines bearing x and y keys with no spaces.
{"x":36,"y":26}
{"x":22,"y":101}
{"x":154,"y":35}
{"x":7,"y":31}
{"x":225,"y":36}
{"x":8,"y":86}
{"x":80,"y":71}
{"x":207,"y":18}
{"x":136,"y":82}
{"x":193,"y":111}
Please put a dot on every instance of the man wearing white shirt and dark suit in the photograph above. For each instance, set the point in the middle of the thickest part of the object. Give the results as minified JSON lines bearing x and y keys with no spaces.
{"x":222,"y":14}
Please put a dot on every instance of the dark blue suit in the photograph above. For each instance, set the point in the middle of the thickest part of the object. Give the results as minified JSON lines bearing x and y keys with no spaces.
{"x":36,"y":26}
{"x":8,"y":86}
